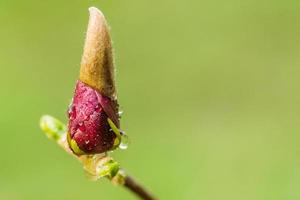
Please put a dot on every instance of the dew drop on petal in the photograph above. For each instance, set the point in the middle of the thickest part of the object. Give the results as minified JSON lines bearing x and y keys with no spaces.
{"x":124,"y":141}
{"x":72,"y":112}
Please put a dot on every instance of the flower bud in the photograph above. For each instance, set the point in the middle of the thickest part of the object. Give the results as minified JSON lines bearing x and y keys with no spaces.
{"x":93,"y":114}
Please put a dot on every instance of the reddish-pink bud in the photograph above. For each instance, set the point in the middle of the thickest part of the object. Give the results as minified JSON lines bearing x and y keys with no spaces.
{"x":88,"y":121}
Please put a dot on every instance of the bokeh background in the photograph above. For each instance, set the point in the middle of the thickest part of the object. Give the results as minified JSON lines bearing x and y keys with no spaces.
{"x":210,"y":92}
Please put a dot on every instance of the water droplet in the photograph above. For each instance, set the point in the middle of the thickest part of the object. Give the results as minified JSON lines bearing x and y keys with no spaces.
{"x":124,"y":141}
{"x":98,"y":108}
{"x":120,"y":112}
{"x":86,"y":118}
{"x":72,"y":113}
{"x":81,"y":127}
{"x":87,"y":141}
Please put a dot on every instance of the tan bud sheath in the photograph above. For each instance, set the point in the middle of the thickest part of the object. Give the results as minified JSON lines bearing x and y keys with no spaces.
{"x":97,"y":65}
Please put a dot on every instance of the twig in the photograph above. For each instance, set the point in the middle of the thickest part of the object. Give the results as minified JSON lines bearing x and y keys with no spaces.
{"x":96,"y":166}
{"x":137,"y":189}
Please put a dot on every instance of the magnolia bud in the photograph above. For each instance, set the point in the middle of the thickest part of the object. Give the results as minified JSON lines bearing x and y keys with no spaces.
{"x":93,"y":114}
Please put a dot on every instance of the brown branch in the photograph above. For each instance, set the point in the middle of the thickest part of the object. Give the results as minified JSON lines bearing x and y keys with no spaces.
{"x":134,"y":187}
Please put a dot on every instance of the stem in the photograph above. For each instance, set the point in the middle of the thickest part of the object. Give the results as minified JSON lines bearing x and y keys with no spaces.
{"x":137,"y":189}
{"x":100,"y":165}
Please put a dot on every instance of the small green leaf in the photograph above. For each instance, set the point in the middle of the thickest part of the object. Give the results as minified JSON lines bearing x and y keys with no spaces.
{"x":109,"y":169}
{"x":115,"y":129}
{"x":75,"y":147}
{"x":53,"y":128}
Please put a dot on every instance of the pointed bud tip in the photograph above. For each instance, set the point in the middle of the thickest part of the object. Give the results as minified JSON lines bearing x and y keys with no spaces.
{"x":94,"y":10}
{"x":97,"y":66}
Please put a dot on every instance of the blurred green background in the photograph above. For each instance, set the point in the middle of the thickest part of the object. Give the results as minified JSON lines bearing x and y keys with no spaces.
{"x":210,"y":92}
